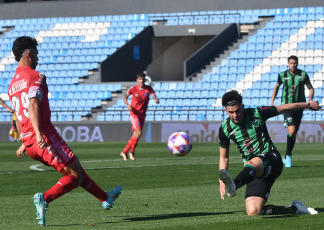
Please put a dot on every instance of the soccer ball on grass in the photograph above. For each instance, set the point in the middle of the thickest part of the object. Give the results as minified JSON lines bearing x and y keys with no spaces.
{"x":179,"y":144}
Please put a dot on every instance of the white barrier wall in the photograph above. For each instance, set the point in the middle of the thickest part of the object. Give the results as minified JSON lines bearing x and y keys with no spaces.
{"x":160,"y":132}
{"x":208,"y":132}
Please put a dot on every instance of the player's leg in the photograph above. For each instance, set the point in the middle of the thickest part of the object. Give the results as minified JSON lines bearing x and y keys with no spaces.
{"x":290,"y":123}
{"x":138,"y":126}
{"x":49,"y":157}
{"x":137,"y":135}
{"x":252,"y":169}
{"x":107,"y":199}
{"x":254,"y":205}
{"x":291,"y":138}
{"x":256,"y":195}
{"x":134,"y":120}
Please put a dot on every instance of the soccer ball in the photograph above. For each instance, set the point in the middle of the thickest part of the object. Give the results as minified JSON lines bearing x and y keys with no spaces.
{"x":179,"y":144}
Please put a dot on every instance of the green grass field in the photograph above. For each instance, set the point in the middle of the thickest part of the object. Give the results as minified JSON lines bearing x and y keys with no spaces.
{"x":160,"y":191}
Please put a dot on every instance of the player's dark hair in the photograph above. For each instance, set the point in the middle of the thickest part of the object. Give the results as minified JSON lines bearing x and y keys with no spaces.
{"x":141,"y":74}
{"x":293,"y":57}
{"x":21,"y":44}
{"x":231,"y":98}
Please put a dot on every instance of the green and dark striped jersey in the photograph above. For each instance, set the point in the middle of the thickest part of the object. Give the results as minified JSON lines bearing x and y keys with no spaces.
{"x":293,"y":86}
{"x":251,"y":136}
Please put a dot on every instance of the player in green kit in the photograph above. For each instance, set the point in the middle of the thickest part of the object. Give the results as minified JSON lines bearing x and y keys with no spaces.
{"x":294,"y":81}
{"x":262,"y":161}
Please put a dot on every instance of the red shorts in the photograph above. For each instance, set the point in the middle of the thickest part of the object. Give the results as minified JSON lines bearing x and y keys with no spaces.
{"x":137,"y":121}
{"x":57,"y":154}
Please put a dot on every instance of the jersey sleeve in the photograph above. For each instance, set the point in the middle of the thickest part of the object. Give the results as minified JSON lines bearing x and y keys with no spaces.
{"x":36,"y":85}
{"x":279,"y":80}
{"x":267,"y":111}
{"x":130,"y":91}
{"x":224,"y":141}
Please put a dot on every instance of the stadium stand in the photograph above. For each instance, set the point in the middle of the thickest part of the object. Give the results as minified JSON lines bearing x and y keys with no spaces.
{"x":70,"y":47}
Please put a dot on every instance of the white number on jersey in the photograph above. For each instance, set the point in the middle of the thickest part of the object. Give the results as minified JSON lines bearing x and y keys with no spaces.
{"x":24,"y":102}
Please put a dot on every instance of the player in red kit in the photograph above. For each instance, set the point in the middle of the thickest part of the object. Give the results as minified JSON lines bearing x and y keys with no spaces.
{"x":28,"y":96}
{"x":140,"y":98}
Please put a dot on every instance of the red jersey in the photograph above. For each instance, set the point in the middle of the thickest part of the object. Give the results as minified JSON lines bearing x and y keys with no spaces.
{"x":140,"y":98}
{"x":28,"y":83}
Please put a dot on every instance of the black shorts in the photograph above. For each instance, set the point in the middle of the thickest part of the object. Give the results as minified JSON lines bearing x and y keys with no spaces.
{"x":293,"y":118}
{"x":261,"y":186}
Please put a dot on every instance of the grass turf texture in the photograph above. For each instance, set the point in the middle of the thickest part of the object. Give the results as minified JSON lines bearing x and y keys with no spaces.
{"x":160,"y":191}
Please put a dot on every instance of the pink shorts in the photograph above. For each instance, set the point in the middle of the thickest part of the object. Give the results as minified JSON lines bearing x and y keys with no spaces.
{"x":137,"y":121}
{"x":57,"y":154}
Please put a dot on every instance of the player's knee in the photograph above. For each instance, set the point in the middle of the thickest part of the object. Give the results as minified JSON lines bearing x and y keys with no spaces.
{"x":138,"y":133}
{"x":253,"y":211}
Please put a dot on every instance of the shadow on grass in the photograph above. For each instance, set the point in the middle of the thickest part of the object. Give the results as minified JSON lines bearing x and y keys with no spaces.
{"x":148,"y":218}
{"x":175,"y":215}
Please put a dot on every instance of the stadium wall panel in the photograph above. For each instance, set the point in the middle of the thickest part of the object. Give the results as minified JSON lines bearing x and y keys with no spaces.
{"x":204,"y":55}
{"x":160,"y":132}
{"x":113,"y":7}
{"x":135,"y":54}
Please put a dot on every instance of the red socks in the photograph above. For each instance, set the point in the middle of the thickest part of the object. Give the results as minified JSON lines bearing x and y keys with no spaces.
{"x":64,"y":185}
{"x":128,"y":146}
{"x":91,"y":186}
{"x":70,"y":182}
{"x":131,"y":145}
{"x":134,"y":143}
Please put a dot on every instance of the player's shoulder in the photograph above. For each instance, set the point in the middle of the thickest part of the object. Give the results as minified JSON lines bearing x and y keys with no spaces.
{"x":148,"y":87}
{"x":224,"y":123}
{"x":283,"y":73}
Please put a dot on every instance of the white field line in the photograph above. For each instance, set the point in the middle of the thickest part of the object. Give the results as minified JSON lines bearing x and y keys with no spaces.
{"x":36,"y":167}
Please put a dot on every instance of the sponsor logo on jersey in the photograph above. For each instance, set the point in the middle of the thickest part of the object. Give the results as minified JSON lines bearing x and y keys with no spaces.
{"x":233,"y":132}
{"x":18,"y":86}
{"x":248,"y":143}
{"x":255,"y":122}
{"x":40,"y":80}
{"x":300,"y":78}
{"x":24,"y":135}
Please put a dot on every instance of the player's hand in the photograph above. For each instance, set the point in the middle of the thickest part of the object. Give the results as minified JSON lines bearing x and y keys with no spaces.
{"x":313,"y":105}
{"x":21,"y":153}
{"x":157,"y":101}
{"x":41,"y":141}
{"x":222,"y":189}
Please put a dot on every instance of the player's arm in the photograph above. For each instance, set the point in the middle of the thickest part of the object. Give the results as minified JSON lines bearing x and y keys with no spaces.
{"x":223,"y":164}
{"x":6,"y":106}
{"x":34,"y":117}
{"x":224,"y":144}
{"x":157,"y":101}
{"x":310,"y":88}
{"x":129,"y":107}
{"x":312,"y":105}
{"x":274,"y":93}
